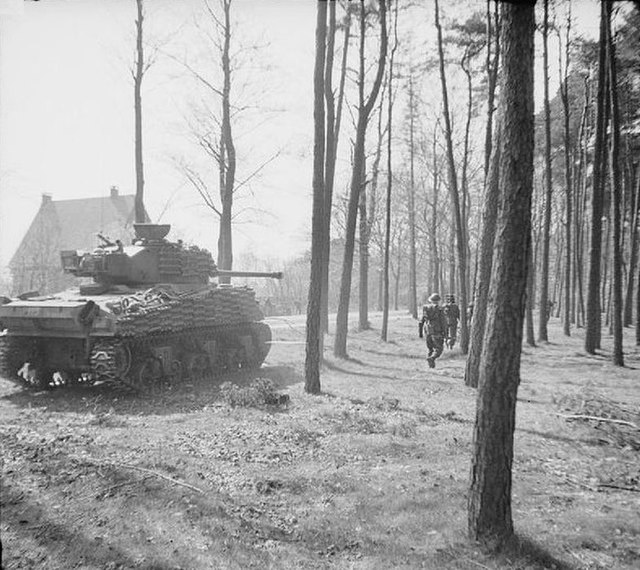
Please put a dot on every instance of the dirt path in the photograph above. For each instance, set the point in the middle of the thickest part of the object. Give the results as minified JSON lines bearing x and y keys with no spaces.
{"x":372,"y":474}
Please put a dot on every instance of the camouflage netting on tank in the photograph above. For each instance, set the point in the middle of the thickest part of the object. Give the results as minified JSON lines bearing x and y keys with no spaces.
{"x":161,"y":310}
{"x":188,"y":262}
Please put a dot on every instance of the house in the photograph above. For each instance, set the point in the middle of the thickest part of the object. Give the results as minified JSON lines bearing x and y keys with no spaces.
{"x":67,"y":224}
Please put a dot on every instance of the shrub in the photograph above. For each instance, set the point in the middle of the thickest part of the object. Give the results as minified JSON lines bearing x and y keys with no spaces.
{"x":259,"y":393}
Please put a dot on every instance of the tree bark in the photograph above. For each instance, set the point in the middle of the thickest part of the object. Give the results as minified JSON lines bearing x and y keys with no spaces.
{"x":363,"y":250}
{"x":638,"y":307}
{"x":453,"y":189}
{"x":485,"y":261}
{"x":332,"y":127}
{"x":364,"y":111}
{"x":384,"y":332}
{"x":138,"y":75}
{"x":531,"y":277}
{"x":227,"y":163}
{"x":413,"y":295}
{"x":313,"y":329}
{"x":568,"y":165}
{"x":593,"y":308}
{"x":435,"y":255}
{"x":616,"y":202}
{"x":543,"y":335}
{"x":633,"y":253}
{"x":489,"y":506}
{"x":491,"y":67}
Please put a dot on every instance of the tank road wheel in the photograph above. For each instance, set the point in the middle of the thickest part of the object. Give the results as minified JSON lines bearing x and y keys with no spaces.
{"x":196,"y":365}
{"x":234,"y":359}
{"x":122,"y":359}
{"x":150,"y":373}
{"x":110,"y":361}
{"x":261,"y":335}
{"x":176,"y":372}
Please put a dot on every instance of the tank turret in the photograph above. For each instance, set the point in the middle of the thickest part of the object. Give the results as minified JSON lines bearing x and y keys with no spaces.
{"x":150,"y":259}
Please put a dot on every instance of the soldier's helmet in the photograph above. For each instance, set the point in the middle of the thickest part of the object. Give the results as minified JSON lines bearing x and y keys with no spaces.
{"x":435,"y":298}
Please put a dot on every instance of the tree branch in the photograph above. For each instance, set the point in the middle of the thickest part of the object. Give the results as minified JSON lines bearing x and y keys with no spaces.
{"x":598,"y":419}
{"x":160,"y":476}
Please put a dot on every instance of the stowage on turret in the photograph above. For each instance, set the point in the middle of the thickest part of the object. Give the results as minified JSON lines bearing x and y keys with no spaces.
{"x":149,"y":314}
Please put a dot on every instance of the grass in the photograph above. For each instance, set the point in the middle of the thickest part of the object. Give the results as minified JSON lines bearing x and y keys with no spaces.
{"x":373,"y":473}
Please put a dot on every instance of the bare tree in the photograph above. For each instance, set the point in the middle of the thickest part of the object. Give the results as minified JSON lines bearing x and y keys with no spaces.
{"x":485,"y":261}
{"x":140,"y":67}
{"x":491,"y":67}
{"x":616,"y":199}
{"x":314,"y":332}
{"x":593,"y":308}
{"x":568,"y":165}
{"x":453,"y":190}
{"x":489,"y":506}
{"x":334,"y":117}
{"x":544,"y":274}
{"x":387,"y":229}
{"x":365,"y":106}
{"x":633,"y":254}
{"x":413,"y":308}
{"x":213,"y":124}
{"x":227,"y":149}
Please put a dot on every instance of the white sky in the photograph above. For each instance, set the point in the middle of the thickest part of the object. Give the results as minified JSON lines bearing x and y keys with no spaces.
{"x":66,"y":114}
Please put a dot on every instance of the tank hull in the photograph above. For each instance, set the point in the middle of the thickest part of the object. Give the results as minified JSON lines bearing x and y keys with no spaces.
{"x":136,"y":337}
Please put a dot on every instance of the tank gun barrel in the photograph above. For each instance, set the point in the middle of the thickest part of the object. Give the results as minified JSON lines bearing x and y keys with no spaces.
{"x":231,"y":273}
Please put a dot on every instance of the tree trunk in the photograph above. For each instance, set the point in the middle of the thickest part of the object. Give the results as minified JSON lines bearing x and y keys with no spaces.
{"x":227,"y":161}
{"x":453,"y":188}
{"x":384,"y":332}
{"x":435,"y":255}
{"x":633,"y":254}
{"x":413,"y":294}
{"x":491,"y":68}
{"x":616,"y":202}
{"x":396,"y":291}
{"x":568,"y":165}
{"x":638,"y":308}
{"x":544,"y":275}
{"x":593,"y":315}
{"x":363,"y":250}
{"x":138,"y":75}
{"x":364,"y":110}
{"x":452,"y":259}
{"x":531,"y":277}
{"x":489,"y":506}
{"x":314,"y":332}
{"x":580,"y":194}
{"x":332,"y":128}
{"x":489,"y":217}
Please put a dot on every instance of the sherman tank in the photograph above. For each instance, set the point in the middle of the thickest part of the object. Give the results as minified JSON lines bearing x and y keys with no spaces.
{"x":144,"y":314}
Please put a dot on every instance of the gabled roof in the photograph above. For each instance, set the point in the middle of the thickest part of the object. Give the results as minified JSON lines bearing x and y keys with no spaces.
{"x":73,"y":224}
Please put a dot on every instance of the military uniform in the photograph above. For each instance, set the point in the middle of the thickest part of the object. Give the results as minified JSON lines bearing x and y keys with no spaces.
{"x":452,"y":314}
{"x":433,"y":326}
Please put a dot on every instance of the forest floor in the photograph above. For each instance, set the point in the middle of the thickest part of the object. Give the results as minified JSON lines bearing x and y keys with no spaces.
{"x":371,"y":474}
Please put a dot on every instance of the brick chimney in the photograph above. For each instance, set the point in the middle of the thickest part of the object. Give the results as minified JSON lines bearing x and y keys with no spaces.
{"x":115,"y":192}
{"x":46,"y":198}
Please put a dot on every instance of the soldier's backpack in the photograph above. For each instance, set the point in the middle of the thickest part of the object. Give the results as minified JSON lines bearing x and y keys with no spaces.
{"x":433,"y":320}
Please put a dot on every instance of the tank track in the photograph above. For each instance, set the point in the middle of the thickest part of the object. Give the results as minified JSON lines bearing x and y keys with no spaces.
{"x":142,"y":363}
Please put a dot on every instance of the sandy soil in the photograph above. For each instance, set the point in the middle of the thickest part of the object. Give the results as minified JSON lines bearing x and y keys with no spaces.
{"x":371,"y":474}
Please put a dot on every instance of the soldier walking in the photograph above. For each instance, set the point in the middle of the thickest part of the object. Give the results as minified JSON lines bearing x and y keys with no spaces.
{"x":452,"y":314}
{"x":433,"y":326}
